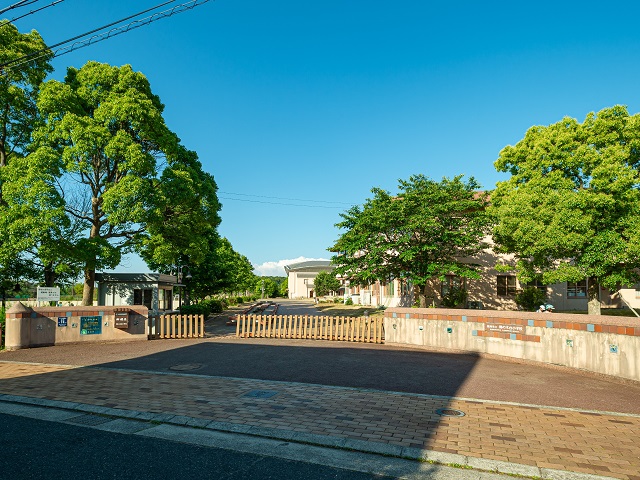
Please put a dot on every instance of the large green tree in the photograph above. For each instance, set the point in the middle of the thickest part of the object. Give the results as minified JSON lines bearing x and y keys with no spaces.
{"x":19,"y":87}
{"x":103,"y":143}
{"x":571,"y":209}
{"x":427,"y":230}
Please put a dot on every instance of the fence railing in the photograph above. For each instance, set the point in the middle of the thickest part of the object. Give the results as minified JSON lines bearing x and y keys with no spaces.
{"x":176,"y":326}
{"x":347,"y":329}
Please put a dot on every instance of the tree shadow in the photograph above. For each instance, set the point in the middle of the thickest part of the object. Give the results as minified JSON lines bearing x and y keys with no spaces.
{"x":389,"y":397}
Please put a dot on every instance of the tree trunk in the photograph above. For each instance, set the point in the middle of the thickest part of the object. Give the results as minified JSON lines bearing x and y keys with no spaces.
{"x":49,"y":275}
{"x":422,"y":296}
{"x":89,"y":281}
{"x":593,"y":292}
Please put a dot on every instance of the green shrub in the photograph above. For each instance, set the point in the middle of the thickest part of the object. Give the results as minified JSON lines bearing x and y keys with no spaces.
{"x":239,"y":300}
{"x":338,"y":300}
{"x":455,"y":296}
{"x":530,"y":298}
{"x":196,"y":309}
{"x":348,"y":301}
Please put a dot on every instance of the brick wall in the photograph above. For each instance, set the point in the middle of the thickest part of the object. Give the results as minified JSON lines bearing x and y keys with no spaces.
{"x":602,"y":344}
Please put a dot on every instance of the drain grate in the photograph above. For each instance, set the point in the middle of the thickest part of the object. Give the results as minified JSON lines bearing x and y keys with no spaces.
{"x":185,"y":367}
{"x":89,"y":420}
{"x":260,"y":394}
{"x":449,"y":412}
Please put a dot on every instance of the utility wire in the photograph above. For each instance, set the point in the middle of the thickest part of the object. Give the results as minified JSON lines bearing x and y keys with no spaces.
{"x":77,"y":37}
{"x":281,"y":203}
{"x":283,"y":198}
{"x":7,"y":22}
{"x":105,"y":35}
{"x":22,"y":3}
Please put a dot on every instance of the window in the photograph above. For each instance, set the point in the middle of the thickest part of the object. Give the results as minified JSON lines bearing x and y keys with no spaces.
{"x":577,"y":289}
{"x":388,"y":292}
{"x":506,"y":285}
{"x":537,"y":284}
{"x":142,"y":297}
{"x":451,"y":282}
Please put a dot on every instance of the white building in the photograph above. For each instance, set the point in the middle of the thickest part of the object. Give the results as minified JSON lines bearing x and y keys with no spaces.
{"x":300,"y":277}
{"x":153,"y":290}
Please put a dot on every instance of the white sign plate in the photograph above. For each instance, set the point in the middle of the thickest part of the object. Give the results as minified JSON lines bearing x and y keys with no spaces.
{"x":48,"y":294}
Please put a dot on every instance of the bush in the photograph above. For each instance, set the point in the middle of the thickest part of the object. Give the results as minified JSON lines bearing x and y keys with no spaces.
{"x":196,"y":309}
{"x":530,"y":298}
{"x":338,"y":300}
{"x":239,"y":300}
{"x":454,"y":297}
{"x":348,"y":301}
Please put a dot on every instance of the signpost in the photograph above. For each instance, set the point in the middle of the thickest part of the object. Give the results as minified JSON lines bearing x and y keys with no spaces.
{"x":48,"y":294}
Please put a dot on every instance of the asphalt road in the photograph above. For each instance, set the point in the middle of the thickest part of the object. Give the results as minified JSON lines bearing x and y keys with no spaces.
{"x":35,"y":449}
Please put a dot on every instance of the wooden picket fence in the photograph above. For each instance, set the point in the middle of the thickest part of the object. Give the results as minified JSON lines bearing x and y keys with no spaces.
{"x":346,"y":329}
{"x":176,"y":326}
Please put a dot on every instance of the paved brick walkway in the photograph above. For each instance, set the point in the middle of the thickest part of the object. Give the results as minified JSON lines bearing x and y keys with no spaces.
{"x":578,"y":441}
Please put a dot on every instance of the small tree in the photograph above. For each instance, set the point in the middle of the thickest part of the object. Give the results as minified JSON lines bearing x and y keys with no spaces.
{"x":530,"y":298}
{"x":325,"y":283}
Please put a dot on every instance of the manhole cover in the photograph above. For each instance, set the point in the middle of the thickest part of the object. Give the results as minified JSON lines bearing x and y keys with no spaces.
{"x":89,"y":420}
{"x":260,"y":393}
{"x":186,"y":367}
{"x":449,"y":412}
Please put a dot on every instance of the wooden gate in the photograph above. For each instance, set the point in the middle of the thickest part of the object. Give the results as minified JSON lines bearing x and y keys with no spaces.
{"x":346,"y":329}
{"x":176,"y":326}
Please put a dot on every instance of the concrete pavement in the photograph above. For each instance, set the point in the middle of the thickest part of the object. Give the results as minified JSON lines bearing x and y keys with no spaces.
{"x":521,"y":419}
{"x":527,"y":440}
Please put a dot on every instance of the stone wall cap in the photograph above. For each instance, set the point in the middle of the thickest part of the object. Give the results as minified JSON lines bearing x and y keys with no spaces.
{"x":19,"y":307}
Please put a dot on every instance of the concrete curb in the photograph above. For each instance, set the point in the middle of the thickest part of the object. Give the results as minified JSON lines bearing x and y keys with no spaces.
{"x":362,"y":446}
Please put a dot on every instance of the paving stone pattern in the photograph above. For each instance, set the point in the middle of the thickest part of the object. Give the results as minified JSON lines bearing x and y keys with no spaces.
{"x":578,"y":441}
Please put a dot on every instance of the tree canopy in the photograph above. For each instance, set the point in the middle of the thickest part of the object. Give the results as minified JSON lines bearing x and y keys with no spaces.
{"x":325,"y":283}
{"x":571,"y":209}
{"x":105,"y":157}
{"x":427,"y":230}
{"x":19,"y":88}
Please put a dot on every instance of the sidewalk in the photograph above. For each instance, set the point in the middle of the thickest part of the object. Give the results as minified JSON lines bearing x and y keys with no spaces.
{"x":512,"y":438}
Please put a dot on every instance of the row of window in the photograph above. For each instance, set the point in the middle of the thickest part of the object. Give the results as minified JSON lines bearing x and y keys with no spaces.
{"x":506,"y":286}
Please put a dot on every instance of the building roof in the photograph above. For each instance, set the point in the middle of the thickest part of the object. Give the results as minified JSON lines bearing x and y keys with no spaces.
{"x":310,"y":266}
{"x":136,"y":278}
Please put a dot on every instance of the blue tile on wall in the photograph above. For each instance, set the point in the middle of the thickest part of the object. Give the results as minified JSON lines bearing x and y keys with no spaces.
{"x":464,"y":318}
{"x":549,"y":324}
{"x":512,"y":336}
{"x":591,"y":327}
{"x":531,"y":323}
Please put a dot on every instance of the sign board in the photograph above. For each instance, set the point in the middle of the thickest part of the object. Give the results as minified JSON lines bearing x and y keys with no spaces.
{"x":91,"y":325}
{"x":48,"y":294}
{"x":62,"y":321}
{"x":499,"y":327}
{"x":121,"y":320}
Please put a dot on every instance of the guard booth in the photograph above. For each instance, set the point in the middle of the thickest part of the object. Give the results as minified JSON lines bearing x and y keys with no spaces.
{"x":153,"y":290}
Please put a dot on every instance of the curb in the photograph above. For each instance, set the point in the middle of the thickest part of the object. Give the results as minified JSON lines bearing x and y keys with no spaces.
{"x":407,"y":453}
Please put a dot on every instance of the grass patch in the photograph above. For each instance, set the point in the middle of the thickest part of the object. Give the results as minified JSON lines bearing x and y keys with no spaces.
{"x":340,"y":310}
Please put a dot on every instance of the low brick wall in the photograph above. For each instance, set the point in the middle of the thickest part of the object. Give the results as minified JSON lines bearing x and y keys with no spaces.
{"x":602,"y":344}
{"x":42,"y":326}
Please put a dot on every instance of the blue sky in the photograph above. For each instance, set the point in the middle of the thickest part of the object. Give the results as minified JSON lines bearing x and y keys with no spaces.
{"x":321,"y":101}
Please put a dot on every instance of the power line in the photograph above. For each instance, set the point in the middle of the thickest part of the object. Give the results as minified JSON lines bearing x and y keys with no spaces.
{"x":280,"y":203}
{"x":8,"y":22}
{"x":105,"y":35}
{"x":22,"y":3}
{"x":284,"y":198}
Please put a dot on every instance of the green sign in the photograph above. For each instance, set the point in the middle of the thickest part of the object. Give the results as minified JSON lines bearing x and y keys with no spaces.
{"x":91,"y":325}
